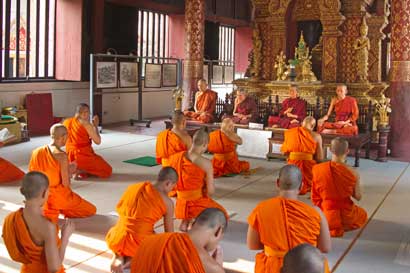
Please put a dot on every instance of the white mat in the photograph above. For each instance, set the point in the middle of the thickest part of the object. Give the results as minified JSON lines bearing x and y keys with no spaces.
{"x":255,"y":143}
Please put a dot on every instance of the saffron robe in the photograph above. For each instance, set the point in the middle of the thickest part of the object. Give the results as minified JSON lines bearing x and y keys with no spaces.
{"x":332,"y":188}
{"x":301,"y":147}
{"x":168,"y":143}
{"x":205,"y":107}
{"x":192,"y":197}
{"x":79,"y":149}
{"x":283,"y":121}
{"x":9,"y":172}
{"x":225,"y":159}
{"x":345,"y":109}
{"x":246,"y":107}
{"x":139,"y":208}
{"x":61,"y":199}
{"x":167,"y":253}
{"x":294,"y":223}
{"x":21,"y":247}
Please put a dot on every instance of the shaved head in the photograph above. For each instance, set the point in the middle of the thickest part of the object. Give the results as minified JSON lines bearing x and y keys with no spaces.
{"x":212,"y":218}
{"x":309,"y":122}
{"x":81,"y":107}
{"x":33,"y":185}
{"x":304,"y":258}
{"x":167,"y":174}
{"x":290,"y":177}
{"x":178,"y":118}
{"x":226,"y":124}
{"x":201,"y":137}
{"x":339,"y":146}
{"x":58,"y":130}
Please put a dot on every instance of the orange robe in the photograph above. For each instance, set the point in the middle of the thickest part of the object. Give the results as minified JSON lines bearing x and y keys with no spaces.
{"x":21,"y":247}
{"x":80,"y":150}
{"x":345,"y":109}
{"x":294,"y":223}
{"x":167,"y":253}
{"x":332,"y":188}
{"x":301,"y":147}
{"x":61,"y":199}
{"x":168,"y":143}
{"x":139,"y":208}
{"x":192,"y":197}
{"x":205,"y":106}
{"x":9,"y":172}
{"x":225,"y":160}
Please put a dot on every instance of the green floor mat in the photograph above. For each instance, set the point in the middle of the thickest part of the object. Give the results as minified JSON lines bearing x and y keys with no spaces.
{"x":230,"y":175}
{"x":148,"y":161}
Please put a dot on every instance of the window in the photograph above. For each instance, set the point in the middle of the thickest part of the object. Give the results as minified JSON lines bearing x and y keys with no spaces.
{"x":27,"y":29}
{"x":226,"y":44}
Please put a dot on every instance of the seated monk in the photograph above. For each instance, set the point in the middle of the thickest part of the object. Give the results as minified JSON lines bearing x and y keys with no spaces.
{"x":294,"y":223}
{"x":222,"y":143}
{"x":140,"y":207}
{"x":304,"y":148}
{"x":293,"y":111}
{"x":172,"y":141}
{"x":195,"y":180}
{"x":196,"y":251}
{"x":81,"y":134}
{"x":53,"y":162}
{"x":333,"y":185}
{"x":9,"y":172}
{"x":347,"y":113}
{"x":304,"y":258}
{"x":205,"y":104}
{"x":30,"y":238}
{"x":244,"y":110}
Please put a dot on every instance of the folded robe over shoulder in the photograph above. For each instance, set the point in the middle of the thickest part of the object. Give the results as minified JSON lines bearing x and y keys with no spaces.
{"x":21,"y":247}
{"x":225,"y":160}
{"x":294,"y":223}
{"x":9,"y":172}
{"x":139,"y":208}
{"x":79,"y":149}
{"x":168,"y":143}
{"x":167,"y":253}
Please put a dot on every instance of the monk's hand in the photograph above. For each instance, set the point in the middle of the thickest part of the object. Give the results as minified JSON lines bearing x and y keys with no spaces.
{"x":96,"y":121}
{"x":218,"y":255}
{"x":117,"y":265}
{"x":321,"y":121}
{"x":67,"y":229}
{"x":72,"y":168}
{"x":294,"y":121}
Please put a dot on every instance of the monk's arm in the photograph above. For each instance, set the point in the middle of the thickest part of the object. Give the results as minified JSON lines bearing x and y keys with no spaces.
{"x":54,"y":255}
{"x":187,"y":140}
{"x":209,"y":263}
{"x":93,"y":133}
{"x":323,"y":242}
{"x":253,"y":240}
{"x":319,"y":147}
{"x":64,"y":169}
{"x":195,"y":102}
{"x":329,"y":111}
{"x":355,"y":112}
{"x":234,"y":137}
{"x":207,"y":167}
{"x":168,"y":217}
{"x":357,"y":193}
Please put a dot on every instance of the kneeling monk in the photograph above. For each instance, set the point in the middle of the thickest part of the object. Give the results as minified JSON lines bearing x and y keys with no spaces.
{"x":333,"y":185}
{"x":9,"y":172}
{"x":304,"y":148}
{"x":53,"y":162}
{"x":205,"y":104}
{"x":196,"y":251}
{"x":195,"y":180}
{"x":30,"y":238}
{"x":139,"y":208}
{"x":81,"y":134}
{"x":172,"y":141}
{"x":222,"y":143}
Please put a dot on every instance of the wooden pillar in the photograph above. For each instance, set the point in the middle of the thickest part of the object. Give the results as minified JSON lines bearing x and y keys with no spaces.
{"x":194,"y":48}
{"x":400,"y":79}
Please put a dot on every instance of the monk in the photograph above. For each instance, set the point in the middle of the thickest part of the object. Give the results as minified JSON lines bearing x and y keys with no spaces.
{"x":30,"y":238}
{"x":205,"y":104}
{"x":81,"y":134}
{"x":172,"y":141}
{"x":304,"y":259}
{"x":140,"y":207}
{"x":294,"y":222}
{"x":334,"y":184}
{"x":293,"y":111}
{"x":53,"y":162}
{"x":196,"y":251}
{"x":222,"y":143}
{"x":195,"y":180}
{"x":8,"y":171}
{"x":245,"y":109}
{"x":347,"y":113}
{"x":304,"y":148}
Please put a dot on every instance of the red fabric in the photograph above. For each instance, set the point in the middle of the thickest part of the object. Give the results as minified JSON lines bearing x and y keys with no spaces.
{"x":39,"y":113}
{"x":299,"y":109}
{"x":9,"y":172}
{"x":246,"y":107}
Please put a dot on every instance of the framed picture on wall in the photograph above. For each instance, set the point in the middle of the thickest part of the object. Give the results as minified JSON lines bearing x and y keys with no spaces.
{"x":217,"y":74}
{"x":169,"y":75}
{"x":228,"y":72}
{"x":153,"y":75}
{"x":128,"y":74}
{"x":106,"y":75}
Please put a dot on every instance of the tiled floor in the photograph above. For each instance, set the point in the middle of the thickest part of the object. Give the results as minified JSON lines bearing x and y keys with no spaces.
{"x":382,"y":246}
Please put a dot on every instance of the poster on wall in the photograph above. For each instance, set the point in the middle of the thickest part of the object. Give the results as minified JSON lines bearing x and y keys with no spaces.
{"x":153,"y":73}
{"x":206,"y":73}
{"x":106,"y":74}
{"x":228,"y":72}
{"x":128,"y":74}
{"x":169,"y":75}
{"x":217,"y":74}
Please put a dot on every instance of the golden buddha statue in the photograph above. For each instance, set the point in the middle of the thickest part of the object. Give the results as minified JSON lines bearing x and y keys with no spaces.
{"x":178,"y":95}
{"x":280,"y":66}
{"x":362,"y":47}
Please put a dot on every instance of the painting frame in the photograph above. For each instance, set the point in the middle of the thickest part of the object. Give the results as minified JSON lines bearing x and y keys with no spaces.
{"x":128,"y":71}
{"x":229,"y":76}
{"x":106,"y":75}
{"x":153,"y":70}
{"x":167,"y":72}
{"x":217,"y":74}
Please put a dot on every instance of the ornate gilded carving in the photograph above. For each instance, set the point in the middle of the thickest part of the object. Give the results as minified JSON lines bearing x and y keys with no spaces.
{"x":178,"y":95}
{"x":362,"y":47}
{"x":400,"y":71}
{"x":383,"y":108}
{"x":376,"y":25}
{"x":329,"y":65}
{"x":280,"y":66}
{"x":257,"y":51}
{"x":400,"y":48}
{"x":306,"y":10}
{"x":350,"y":29}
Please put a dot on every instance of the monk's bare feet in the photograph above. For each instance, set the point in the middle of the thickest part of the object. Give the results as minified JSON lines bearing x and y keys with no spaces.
{"x":184,"y":226}
{"x":117,"y":264}
{"x":81,"y":176}
{"x":275,"y":126}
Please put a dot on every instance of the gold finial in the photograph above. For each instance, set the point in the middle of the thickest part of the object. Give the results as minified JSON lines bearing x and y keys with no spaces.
{"x":364,"y":28}
{"x":301,"y":39}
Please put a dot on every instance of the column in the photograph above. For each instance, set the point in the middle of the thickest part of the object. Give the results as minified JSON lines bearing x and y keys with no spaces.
{"x":400,"y":79}
{"x":194,"y":48}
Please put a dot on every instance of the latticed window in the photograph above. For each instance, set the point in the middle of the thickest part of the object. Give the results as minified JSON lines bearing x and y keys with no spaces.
{"x":226,"y":43}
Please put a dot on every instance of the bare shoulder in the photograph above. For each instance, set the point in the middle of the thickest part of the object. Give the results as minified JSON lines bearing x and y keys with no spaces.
{"x":316,"y":136}
{"x":204,"y":163}
{"x":46,"y":228}
{"x":168,"y":202}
